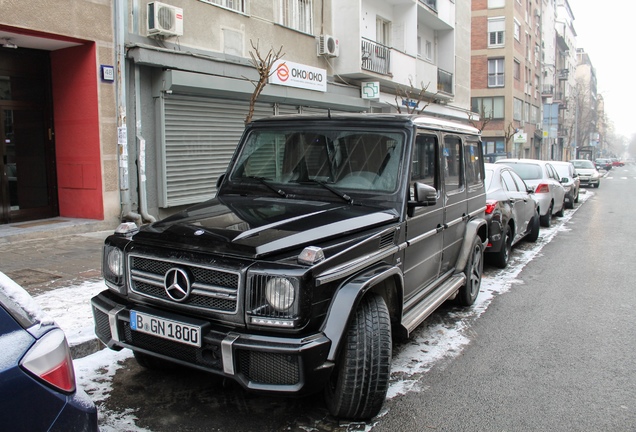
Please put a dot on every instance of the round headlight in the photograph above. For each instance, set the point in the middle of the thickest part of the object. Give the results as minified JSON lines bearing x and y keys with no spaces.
{"x":280,"y":293}
{"x":114,"y":259}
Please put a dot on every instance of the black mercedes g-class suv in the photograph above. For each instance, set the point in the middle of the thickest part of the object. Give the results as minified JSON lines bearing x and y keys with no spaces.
{"x":328,"y":236}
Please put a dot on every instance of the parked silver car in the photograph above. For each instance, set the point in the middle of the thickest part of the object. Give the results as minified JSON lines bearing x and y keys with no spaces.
{"x":567,"y":171}
{"x":548,"y":190}
{"x":588,"y":174}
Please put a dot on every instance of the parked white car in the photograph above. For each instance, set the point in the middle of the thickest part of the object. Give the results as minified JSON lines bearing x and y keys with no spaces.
{"x":548,"y":189}
{"x":588,"y":174}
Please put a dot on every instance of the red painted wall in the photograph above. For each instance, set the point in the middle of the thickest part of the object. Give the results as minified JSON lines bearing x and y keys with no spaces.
{"x":76,"y":118}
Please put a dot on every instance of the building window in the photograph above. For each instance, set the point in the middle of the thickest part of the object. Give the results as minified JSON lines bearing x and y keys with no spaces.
{"x":517,"y":109}
{"x":496,"y":27}
{"x":297,"y":14}
{"x":496,"y":72}
{"x":429,"y":51}
{"x":517,"y":30}
{"x":383,"y":31}
{"x":516,"y":70}
{"x":235,"y":5}
{"x":495,"y":4}
{"x":490,"y":107}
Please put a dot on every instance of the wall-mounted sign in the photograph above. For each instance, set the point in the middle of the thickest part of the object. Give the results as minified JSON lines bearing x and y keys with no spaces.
{"x":108,"y":73}
{"x":521,"y":138}
{"x":370,"y":90}
{"x":291,"y":74}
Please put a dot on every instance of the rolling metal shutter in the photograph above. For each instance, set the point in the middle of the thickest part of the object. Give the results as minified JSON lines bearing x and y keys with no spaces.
{"x":200,"y":137}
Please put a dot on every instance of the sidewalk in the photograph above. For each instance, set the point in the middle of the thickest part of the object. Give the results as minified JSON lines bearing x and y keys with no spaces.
{"x":46,"y":255}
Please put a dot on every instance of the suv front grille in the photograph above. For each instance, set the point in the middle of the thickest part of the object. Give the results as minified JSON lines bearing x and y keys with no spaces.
{"x":212,"y":289}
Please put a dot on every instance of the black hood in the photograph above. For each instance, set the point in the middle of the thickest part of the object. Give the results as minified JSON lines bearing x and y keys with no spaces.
{"x":257,"y":227}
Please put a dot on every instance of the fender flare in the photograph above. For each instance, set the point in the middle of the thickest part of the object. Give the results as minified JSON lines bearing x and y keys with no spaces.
{"x":347,"y":298}
{"x":477,"y":227}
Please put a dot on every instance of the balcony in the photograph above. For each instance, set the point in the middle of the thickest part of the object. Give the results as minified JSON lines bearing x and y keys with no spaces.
{"x":547,"y":90}
{"x":564,"y":74}
{"x":376,"y":57}
{"x":430,"y":3}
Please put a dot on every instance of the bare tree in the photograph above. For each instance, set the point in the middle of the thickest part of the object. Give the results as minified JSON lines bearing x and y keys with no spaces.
{"x":408,"y":95}
{"x":263,"y":65}
{"x":509,"y":132}
{"x":484,"y":119}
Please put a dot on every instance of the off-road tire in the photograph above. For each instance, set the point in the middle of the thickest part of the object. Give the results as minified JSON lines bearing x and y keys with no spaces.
{"x":474,"y":270}
{"x":359,"y":383}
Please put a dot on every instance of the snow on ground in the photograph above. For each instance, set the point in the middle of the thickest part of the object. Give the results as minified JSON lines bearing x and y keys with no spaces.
{"x":95,"y":372}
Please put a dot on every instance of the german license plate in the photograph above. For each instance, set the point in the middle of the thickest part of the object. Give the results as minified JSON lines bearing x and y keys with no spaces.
{"x":165,"y":328}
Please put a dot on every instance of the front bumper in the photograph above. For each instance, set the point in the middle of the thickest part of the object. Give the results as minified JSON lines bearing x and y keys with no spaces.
{"x":266,"y":364}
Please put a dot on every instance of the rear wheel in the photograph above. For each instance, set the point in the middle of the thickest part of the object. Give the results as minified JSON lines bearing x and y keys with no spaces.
{"x":500,"y":259}
{"x":534,"y":231}
{"x":359,"y":383}
{"x":474,"y":269}
{"x":576,"y":199}
{"x":546,"y":219}
{"x":597,"y":185}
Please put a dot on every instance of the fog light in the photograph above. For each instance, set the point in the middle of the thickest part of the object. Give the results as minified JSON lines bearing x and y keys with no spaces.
{"x":280,"y":293}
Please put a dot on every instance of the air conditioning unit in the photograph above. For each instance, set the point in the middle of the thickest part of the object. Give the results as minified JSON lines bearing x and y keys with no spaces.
{"x":164,"y":20}
{"x":328,"y":46}
{"x":539,"y":126}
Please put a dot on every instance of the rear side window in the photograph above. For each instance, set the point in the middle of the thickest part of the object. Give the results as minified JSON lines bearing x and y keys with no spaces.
{"x":472,"y":162}
{"x":452,"y":160}
{"x":527,"y":171}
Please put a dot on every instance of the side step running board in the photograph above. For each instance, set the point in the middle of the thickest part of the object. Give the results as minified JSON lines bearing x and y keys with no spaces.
{"x":420,"y":312}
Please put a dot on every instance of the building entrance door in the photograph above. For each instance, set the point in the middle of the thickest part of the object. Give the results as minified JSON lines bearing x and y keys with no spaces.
{"x":27,"y":156}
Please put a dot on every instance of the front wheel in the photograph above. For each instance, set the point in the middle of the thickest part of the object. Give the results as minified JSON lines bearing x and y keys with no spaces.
{"x":534,"y":231}
{"x":546,"y":219}
{"x":474,"y":269}
{"x":501,"y":258}
{"x":359,"y":383}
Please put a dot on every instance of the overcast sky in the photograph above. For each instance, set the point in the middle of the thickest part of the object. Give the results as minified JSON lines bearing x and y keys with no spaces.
{"x":605,"y":30}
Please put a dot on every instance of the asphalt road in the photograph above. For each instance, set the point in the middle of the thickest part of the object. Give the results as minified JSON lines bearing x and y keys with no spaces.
{"x":556,"y":352}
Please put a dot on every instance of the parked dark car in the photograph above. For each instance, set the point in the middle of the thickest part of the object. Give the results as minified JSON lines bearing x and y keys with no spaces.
{"x":37,"y":380}
{"x":328,"y":235}
{"x":603,"y":164}
{"x":511,"y":212}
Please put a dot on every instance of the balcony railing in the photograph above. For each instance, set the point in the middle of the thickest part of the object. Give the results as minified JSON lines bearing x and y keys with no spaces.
{"x":376,"y":57}
{"x":547,"y":90}
{"x":444,"y":81}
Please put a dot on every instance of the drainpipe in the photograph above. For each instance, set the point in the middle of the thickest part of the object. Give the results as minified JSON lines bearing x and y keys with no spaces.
{"x":141,"y":153}
{"x":122,"y":133}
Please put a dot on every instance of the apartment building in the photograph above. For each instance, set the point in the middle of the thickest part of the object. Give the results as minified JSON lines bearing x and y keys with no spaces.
{"x":506,"y":75}
{"x":149,"y":99}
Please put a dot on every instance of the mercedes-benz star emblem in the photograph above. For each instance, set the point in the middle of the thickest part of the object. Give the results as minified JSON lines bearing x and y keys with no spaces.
{"x":177,"y":284}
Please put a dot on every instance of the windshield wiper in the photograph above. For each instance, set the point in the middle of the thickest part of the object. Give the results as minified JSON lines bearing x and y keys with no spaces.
{"x":264,"y":181}
{"x":324,"y":184}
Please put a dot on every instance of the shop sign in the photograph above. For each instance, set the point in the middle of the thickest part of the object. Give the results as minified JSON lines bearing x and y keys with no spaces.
{"x":291,"y":74}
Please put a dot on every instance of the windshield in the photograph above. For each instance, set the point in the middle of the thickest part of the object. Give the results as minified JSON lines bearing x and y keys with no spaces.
{"x":583,"y":164}
{"x":347,"y":159}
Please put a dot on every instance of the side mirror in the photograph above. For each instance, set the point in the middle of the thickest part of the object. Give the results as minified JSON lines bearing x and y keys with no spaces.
{"x":220,"y":180}
{"x":425,"y":195}
{"x":564,"y":180}
{"x":530,"y":189}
